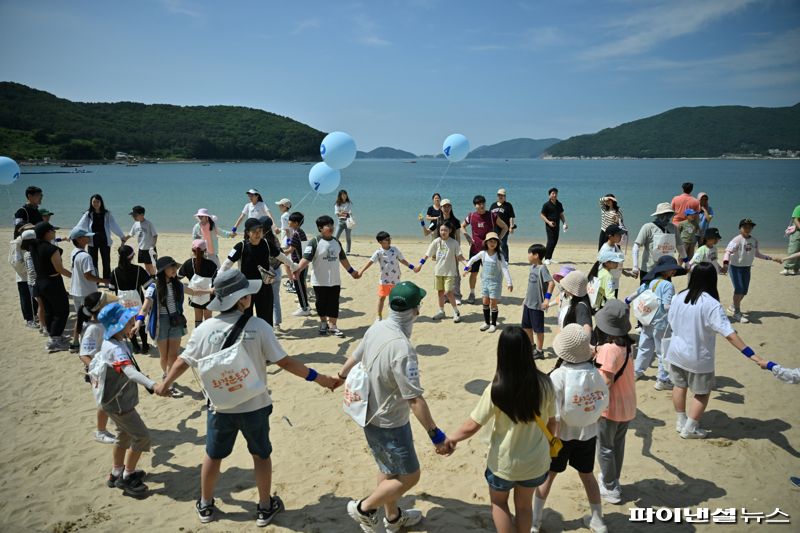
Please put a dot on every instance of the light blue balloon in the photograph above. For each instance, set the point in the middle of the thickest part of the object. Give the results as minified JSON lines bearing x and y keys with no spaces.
{"x":9,"y":171}
{"x":455,"y":147}
{"x":338,"y":150}
{"x":323,"y":178}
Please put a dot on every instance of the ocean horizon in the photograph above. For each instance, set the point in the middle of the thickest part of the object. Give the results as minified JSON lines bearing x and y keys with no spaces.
{"x":389,"y":194}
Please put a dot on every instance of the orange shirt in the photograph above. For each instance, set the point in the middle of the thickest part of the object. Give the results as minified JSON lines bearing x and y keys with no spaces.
{"x":622,"y":393}
{"x":681,"y":203}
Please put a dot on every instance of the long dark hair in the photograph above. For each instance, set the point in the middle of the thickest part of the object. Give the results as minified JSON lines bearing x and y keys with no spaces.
{"x":614,"y":204}
{"x":125,"y":252}
{"x":569,"y":317}
{"x":340,"y":200}
{"x":211,"y":224}
{"x":703,"y":279}
{"x":594,"y":271}
{"x":85,"y":311}
{"x":604,"y":338}
{"x":103,"y":209}
{"x":197,"y":259}
{"x":518,"y":387}
{"x":161,"y":289}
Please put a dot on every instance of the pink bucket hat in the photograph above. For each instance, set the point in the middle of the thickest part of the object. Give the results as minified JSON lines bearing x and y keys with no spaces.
{"x":203,"y":212}
{"x":199,"y":244}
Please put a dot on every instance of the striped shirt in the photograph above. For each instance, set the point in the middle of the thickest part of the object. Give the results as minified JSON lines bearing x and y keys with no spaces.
{"x":609,"y":216}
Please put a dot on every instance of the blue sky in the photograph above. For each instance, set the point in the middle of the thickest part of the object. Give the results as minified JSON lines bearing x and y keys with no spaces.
{"x":407,"y":74}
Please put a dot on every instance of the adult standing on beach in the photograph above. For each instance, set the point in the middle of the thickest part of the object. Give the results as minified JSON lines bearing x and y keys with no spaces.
{"x":343,"y":210}
{"x":49,"y":269}
{"x":684,"y":201}
{"x":482,"y":222}
{"x":430,"y":225}
{"x":552,"y":213}
{"x":610,"y":213}
{"x":792,"y":266}
{"x":233,"y":292}
{"x":255,"y":208}
{"x":29,"y":213}
{"x":390,"y":360}
{"x":99,"y":221}
{"x":655,"y":239}
{"x":207,"y":229}
{"x":505,"y":212}
{"x":706,"y":215}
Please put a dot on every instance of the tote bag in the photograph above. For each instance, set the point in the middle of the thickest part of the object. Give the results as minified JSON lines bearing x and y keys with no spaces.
{"x":129,"y":298}
{"x":646,"y":305}
{"x":200,"y":282}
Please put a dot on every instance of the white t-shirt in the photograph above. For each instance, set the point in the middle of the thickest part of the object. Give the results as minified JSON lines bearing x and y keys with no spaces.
{"x":259,"y":341}
{"x":324,"y":256}
{"x":255,"y":210}
{"x":389,"y":261}
{"x":694,"y":329}
{"x":82,"y":263}
{"x":445,"y":253}
{"x":145,"y":234}
{"x":92,"y":339}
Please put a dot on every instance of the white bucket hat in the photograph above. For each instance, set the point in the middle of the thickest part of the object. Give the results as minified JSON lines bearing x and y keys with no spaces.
{"x":663,"y":208}
{"x":229,"y":287}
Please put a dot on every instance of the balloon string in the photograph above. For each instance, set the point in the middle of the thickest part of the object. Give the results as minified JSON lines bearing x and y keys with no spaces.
{"x":435,"y":189}
{"x":303,"y":200}
{"x":315,"y":198}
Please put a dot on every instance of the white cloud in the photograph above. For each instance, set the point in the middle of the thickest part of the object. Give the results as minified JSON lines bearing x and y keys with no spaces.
{"x":179,"y":7}
{"x":367,"y":32}
{"x":645,"y":29}
{"x":308,"y":24}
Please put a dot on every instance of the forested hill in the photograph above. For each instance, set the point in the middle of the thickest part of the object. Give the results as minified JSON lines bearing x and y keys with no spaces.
{"x":37,"y":124}
{"x":693,"y":132}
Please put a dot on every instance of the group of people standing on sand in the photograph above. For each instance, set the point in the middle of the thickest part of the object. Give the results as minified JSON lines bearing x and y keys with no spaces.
{"x":540,"y":423}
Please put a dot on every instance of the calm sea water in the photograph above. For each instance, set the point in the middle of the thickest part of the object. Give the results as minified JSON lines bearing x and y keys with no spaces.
{"x":388,"y":195}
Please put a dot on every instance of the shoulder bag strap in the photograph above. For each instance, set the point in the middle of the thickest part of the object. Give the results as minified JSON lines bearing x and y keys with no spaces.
{"x":235,"y":331}
{"x":543,"y":427}
{"x":622,"y":368}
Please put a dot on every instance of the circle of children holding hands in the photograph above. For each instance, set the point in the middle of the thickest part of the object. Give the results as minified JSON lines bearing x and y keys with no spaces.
{"x":539,"y":423}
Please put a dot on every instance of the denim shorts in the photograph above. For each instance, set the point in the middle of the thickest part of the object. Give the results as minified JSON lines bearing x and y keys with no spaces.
{"x":740,"y":277}
{"x":503,"y":485}
{"x":166,"y":331}
{"x":222,"y":429}
{"x":393,"y":449}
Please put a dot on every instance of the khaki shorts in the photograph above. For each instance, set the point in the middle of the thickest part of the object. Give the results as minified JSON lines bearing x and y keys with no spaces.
{"x":444,"y":283}
{"x":697,"y":383}
{"x":131,"y":431}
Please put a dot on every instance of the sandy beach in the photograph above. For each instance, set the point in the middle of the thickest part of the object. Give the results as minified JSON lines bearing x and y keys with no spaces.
{"x":52,"y":472}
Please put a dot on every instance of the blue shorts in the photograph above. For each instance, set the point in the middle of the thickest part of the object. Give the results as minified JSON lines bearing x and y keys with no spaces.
{"x":166,"y":331}
{"x":503,"y":485}
{"x":393,"y":449}
{"x":222,"y":429}
{"x":533,"y":319}
{"x":740,"y":277}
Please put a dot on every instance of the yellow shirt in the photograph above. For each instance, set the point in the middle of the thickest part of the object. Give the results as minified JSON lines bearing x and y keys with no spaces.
{"x":517,"y":452}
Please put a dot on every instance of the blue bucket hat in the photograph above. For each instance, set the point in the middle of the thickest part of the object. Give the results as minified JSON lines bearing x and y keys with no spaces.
{"x":114,"y":317}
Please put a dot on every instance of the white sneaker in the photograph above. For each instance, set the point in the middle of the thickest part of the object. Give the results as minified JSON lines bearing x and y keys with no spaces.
{"x":679,"y":425}
{"x":104,"y":437}
{"x":458,"y":302}
{"x":439,"y":315}
{"x":740,"y":318}
{"x":696,"y":434}
{"x":484,"y":326}
{"x":408,"y":517}
{"x":302,"y":312}
{"x":611,"y":495}
{"x":662,"y":385}
{"x":595,"y":527}
{"x":367,"y":522}
{"x":787,"y":272}
{"x":492,"y":328}
{"x":547,"y":261}
{"x":457,"y":318}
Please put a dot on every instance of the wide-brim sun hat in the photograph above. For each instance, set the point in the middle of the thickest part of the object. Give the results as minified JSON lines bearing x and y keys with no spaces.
{"x":614,"y":318}
{"x":575,"y":283}
{"x":229,"y":287}
{"x":491,"y":235}
{"x":572,"y":344}
{"x":663,"y":208}
{"x":610,"y":255}
{"x":203,"y":212}
{"x":665,"y":263}
{"x":566,"y":269}
{"x":114,"y":317}
{"x":406,"y":295}
{"x":164,"y":262}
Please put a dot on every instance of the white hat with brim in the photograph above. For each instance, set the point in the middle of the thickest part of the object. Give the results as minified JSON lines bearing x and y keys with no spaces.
{"x":663,"y":208}
{"x":229,"y":287}
{"x":203,"y":212}
{"x":572,"y":344}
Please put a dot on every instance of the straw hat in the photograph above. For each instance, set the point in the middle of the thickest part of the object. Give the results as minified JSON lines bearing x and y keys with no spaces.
{"x":229,"y":287}
{"x":575,"y":283}
{"x":663,"y":208}
{"x":614,"y":318}
{"x":491,"y":235}
{"x":572,"y":344}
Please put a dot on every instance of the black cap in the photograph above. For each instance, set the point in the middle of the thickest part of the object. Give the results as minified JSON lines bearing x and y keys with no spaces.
{"x":43,"y":227}
{"x":137,"y":210}
{"x":712,"y":233}
{"x":266,"y":222}
{"x":251,"y":223}
{"x":746,"y":222}
{"x":614,"y":229}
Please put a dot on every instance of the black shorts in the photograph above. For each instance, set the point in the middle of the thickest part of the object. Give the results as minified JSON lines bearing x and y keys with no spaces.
{"x":326,"y":301}
{"x":578,"y":453}
{"x":144,"y":257}
{"x":476,"y":266}
{"x":533,"y":319}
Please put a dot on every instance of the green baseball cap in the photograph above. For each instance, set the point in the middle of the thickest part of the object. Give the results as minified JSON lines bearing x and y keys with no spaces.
{"x":796,"y":212}
{"x":45,"y":212}
{"x":405,"y":295}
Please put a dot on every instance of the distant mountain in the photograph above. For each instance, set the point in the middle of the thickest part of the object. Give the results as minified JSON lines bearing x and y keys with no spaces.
{"x":692,"y":132}
{"x":36,"y":124}
{"x":513,"y":149}
{"x":385,"y":152}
